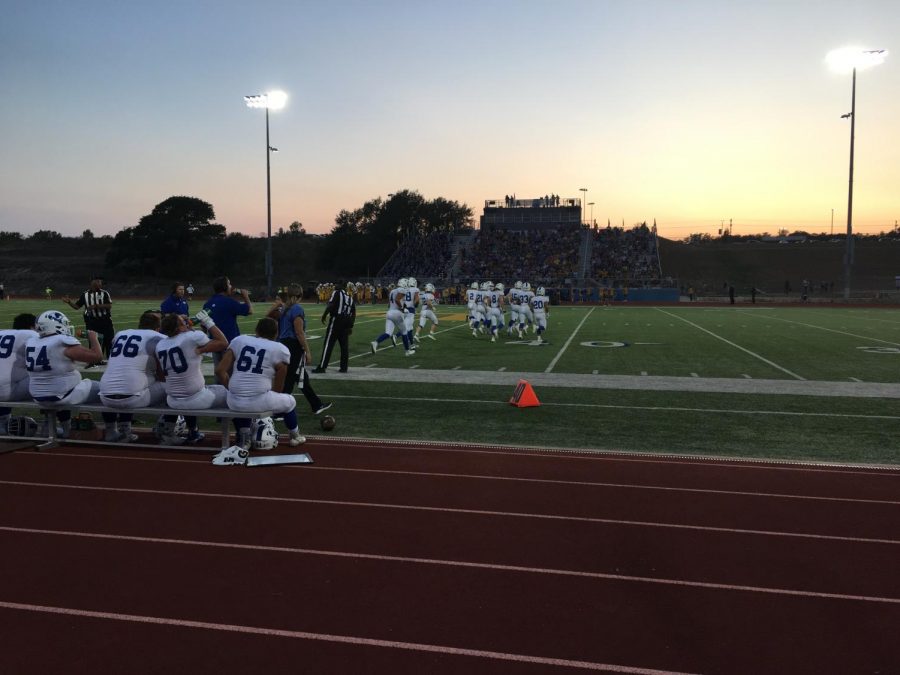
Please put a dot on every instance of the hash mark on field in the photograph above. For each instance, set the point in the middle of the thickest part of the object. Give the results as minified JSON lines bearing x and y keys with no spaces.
{"x":746,"y":377}
{"x":855,"y":379}
{"x":694,"y":375}
{"x":371,"y":365}
{"x":643,"y":372}
{"x":456,"y":367}
{"x":595,"y":372}
{"x":501,"y":369}
{"x":414,"y":367}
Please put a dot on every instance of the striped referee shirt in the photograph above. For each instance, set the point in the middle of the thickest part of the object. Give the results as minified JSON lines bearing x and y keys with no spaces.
{"x":341,"y":304}
{"x":91,"y":300}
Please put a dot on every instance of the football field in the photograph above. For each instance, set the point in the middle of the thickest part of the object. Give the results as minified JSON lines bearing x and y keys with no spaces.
{"x":813,"y":383}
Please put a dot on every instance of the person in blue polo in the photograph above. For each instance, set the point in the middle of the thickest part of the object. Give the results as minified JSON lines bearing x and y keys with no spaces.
{"x":175,"y":303}
{"x":225,"y":310}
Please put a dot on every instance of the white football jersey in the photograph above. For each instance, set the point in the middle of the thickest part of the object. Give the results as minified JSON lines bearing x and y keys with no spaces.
{"x":409,"y":299}
{"x":255,"y":359}
{"x":51,"y":372}
{"x":525,"y":297}
{"x":541,"y":303}
{"x":12,"y":357}
{"x":493,"y":298}
{"x":181,"y":363}
{"x":515,"y":296}
{"x":132,"y":362}
{"x":395,"y":293}
{"x":470,"y":296}
{"x":427,"y":300}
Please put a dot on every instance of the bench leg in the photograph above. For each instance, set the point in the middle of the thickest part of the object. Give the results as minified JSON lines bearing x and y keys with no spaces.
{"x":52,"y":439}
{"x":226,"y":435}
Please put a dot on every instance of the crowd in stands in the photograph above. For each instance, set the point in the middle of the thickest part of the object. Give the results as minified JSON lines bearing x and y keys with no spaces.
{"x":421,"y":256}
{"x":541,"y":256}
{"x":625,"y":255}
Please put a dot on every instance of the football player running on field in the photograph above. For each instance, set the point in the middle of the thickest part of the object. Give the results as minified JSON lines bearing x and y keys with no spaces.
{"x":494,"y":305}
{"x":253,"y":368}
{"x":512,"y":298}
{"x":411,"y":301}
{"x":426,"y":312}
{"x":541,"y":305}
{"x":526,"y":316}
{"x":394,"y":319}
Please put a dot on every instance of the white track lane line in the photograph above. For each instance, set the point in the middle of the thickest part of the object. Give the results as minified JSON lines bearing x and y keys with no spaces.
{"x":458,"y":563}
{"x":343,"y":639}
{"x":733,"y":344}
{"x":468,"y":512}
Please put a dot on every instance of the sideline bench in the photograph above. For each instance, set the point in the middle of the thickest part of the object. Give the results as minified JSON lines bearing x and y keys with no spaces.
{"x":52,"y":441}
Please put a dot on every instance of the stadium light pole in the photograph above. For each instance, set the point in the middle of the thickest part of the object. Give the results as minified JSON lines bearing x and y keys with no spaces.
{"x":583,"y":197}
{"x":848,"y":60}
{"x":274,"y":100}
{"x":591,"y":222}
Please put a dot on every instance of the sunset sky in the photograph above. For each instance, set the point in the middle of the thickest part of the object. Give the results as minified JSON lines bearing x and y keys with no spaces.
{"x":689,"y":113}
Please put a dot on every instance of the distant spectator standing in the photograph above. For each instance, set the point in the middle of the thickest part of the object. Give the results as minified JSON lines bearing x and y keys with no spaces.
{"x":97,"y":305}
{"x":190,"y":291}
{"x":224,"y":310}
{"x":48,"y":293}
{"x":175,"y":303}
{"x":342,"y":310}
{"x":731,"y":293}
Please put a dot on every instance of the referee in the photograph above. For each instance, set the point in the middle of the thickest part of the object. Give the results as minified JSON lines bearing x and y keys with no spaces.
{"x":97,"y":305}
{"x":342,"y":310}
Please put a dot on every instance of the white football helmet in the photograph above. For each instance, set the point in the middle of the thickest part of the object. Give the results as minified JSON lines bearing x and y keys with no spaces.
{"x":179,"y":427}
{"x":412,"y":283}
{"x":499,"y":287}
{"x":540,"y":290}
{"x":53,"y":322}
{"x":403,"y":283}
{"x":486,"y":285}
{"x":518,"y":285}
{"x":264,"y":435}
{"x":429,"y":288}
{"x":474,"y":286}
{"x":526,"y":286}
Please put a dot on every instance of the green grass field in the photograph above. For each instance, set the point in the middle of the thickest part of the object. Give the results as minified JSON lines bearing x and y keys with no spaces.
{"x":806,"y":383}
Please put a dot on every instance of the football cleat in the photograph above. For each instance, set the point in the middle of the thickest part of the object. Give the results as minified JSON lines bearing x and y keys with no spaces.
{"x":264,"y":435}
{"x":233,"y":456}
{"x":416,"y":338}
{"x":297,"y":438}
{"x":195,"y":436}
{"x":431,"y":335}
{"x":410,"y":352}
{"x":374,"y":346}
{"x":323,"y":408}
{"x":394,"y":339}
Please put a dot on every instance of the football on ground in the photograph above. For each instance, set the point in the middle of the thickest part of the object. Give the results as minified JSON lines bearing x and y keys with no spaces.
{"x":327,"y":423}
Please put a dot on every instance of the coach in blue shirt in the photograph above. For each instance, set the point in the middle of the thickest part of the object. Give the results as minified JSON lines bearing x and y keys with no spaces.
{"x":175,"y":303}
{"x":225,"y":310}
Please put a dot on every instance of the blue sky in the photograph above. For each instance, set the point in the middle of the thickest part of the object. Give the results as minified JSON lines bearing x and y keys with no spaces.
{"x":686,"y":112}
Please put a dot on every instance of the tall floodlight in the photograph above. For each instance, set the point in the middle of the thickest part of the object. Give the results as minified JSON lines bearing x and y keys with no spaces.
{"x":848,"y":60}
{"x":591,"y":221}
{"x":583,"y":197}
{"x":274,"y":100}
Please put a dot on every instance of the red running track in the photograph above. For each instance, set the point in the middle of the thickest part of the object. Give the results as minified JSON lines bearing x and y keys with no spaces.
{"x":397,"y":558}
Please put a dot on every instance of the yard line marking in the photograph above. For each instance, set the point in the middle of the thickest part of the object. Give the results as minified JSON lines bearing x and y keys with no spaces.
{"x":568,"y":342}
{"x":832,"y":330}
{"x":368,"y":352}
{"x":746,"y":377}
{"x":733,"y":344}
{"x":340,"y":639}
{"x":371,"y":365}
{"x":456,"y":367}
{"x":469,"y":512}
{"x":694,"y":375}
{"x":501,"y":369}
{"x":414,"y":367}
{"x":854,"y":379}
{"x":457,"y":563}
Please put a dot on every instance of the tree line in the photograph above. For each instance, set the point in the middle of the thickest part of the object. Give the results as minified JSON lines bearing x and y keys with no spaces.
{"x":180,"y":238}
